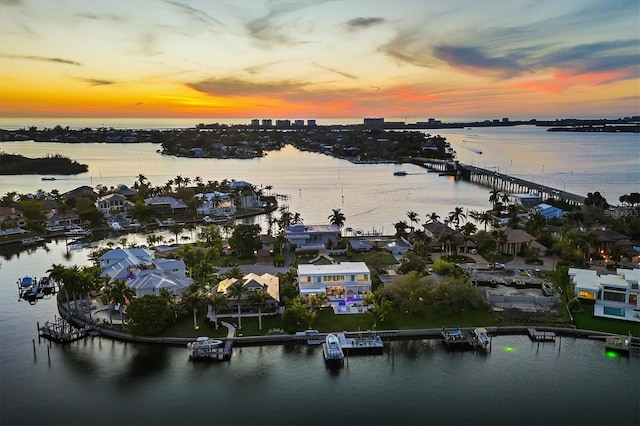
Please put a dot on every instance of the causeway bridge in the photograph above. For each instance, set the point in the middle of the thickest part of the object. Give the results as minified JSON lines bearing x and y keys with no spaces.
{"x":495,"y":180}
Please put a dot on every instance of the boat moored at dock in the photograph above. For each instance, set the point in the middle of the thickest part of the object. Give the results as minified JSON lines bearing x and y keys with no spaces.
{"x":210,"y":349}
{"x":481,"y":338}
{"x":332,"y":350}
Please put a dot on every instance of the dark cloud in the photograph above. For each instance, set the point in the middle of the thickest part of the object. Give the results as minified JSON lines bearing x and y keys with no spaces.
{"x":238,"y":87}
{"x":44,"y":59}
{"x":96,"y":82}
{"x":359,"y":23}
{"x":595,"y":57}
{"x":476,"y":58}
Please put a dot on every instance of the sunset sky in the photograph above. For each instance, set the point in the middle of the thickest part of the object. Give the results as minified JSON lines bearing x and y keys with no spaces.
{"x":315,"y":59}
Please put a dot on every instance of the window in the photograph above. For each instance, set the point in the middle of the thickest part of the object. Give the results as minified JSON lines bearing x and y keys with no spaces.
{"x":586,"y":295}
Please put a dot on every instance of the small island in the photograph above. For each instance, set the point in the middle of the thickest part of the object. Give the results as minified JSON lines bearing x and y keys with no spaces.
{"x":12,"y":164}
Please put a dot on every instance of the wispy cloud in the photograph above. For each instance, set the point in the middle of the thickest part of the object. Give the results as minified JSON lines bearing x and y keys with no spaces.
{"x":238,"y":87}
{"x":269,"y":28}
{"x":360,"y":23}
{"x":101,"y":17}
{"x":333,"y":70}
{"x":44,"y":59}
{"x":195,"y":13}
{"x":97,"y":82}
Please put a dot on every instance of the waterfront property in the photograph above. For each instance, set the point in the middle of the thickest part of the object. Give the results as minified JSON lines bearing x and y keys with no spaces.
{"x":615,"y":295}
{"x":344,"y":284}
{"x":113,"y":203}
{"x":216,"y":204}
{"x":165,"y":205}
{"x":311,"y":237}
{"x":251,"y":283}
{"x":143,"y":272}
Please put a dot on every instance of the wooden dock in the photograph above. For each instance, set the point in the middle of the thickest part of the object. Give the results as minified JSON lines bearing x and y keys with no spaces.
{"x":220,"y":353}
{"x":62,"y":332}
{"x":457,"y":338}
{"x":362,"y":344}
{"x":541,"y":336}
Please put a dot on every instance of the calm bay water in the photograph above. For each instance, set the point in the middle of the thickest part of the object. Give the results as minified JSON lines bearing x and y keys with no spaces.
{"x":369,"y":195}
{"x":97,"y":381}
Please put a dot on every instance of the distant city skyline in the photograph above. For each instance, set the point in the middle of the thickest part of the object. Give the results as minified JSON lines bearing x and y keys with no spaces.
{"x":400,"y":59}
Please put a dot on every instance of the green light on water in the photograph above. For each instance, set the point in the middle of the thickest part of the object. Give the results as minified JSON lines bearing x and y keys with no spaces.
{"x":509,"y":349}
{"x":612,"y":354}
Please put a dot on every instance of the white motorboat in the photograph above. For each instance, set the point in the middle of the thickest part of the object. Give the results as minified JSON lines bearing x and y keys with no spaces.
{"x":481,"y":337}
{"x":203,"y":343}
{"x":332,"y":348}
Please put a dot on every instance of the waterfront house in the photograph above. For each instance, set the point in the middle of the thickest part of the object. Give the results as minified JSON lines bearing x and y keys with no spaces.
{"x":143,"y":272}
{"x":165,"y":205}
{"x":311,"y":237}
{"x":436,"y":230}
{"x":517,"y":241}
{"x":251,"y":282}
{"x":216,"y":204}
{"x":614,"y":295}
{"x":59,"y":221}
{"x":10,"y":217}
{"x":344,"y":283}
{"x":113,"y":203}
{"x":81,"y":191}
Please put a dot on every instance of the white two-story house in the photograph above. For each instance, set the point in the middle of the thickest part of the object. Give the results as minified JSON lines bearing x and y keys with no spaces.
{"x":344,"y":283}
{"x":215,"y":203}
{"x":615,"y":295}
{"x":303,"y":237}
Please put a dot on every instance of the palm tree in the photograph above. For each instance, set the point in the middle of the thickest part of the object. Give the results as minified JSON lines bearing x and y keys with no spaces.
{"x":268,"y":188}
{"x":175,"y":229}
{"x":494,"y":197}
{"x":433,"y":217}
{"x":218,"y":301}
{"x":234,"y":272}
{"x":119,"y":293}
{"x":501,"y":238}
{"x":413,"y":218}
{"x":401,"y":228}
{"x":456,"y":215}
{"x":446,"y":240}
{"x":486,"y":219}
{"x":469,"y":229}
{"x":236,"y":291}
{"x":337,"y":218}
{"x":259,"y":298}
{"x":194,"y":298}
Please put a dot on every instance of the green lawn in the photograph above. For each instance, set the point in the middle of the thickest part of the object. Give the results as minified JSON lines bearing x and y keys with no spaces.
{"x":586,"y":321}
{"x":327,"y":321}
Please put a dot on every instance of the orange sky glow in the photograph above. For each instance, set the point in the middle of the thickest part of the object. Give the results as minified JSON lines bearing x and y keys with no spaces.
{"x":261,"y":59}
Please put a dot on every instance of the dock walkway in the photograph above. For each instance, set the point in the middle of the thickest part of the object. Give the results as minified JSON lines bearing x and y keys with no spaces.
{"x":541,"y":336}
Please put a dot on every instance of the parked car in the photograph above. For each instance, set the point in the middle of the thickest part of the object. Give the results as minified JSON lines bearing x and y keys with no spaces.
{"x":473,"y":251}
{"x":499,"y":266}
